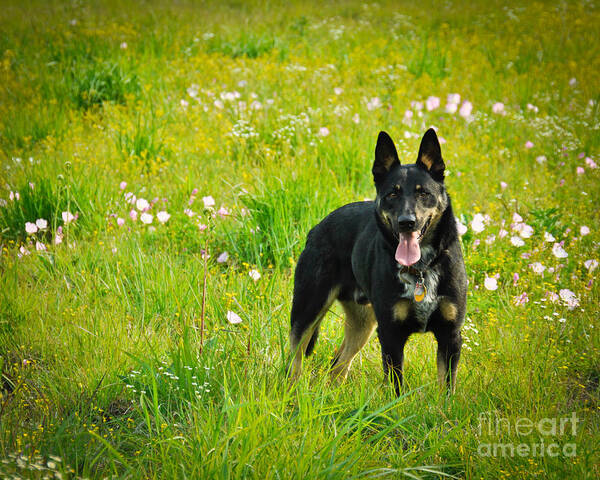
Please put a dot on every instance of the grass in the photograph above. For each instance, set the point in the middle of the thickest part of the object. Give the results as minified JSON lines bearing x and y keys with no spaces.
{"x":116,"y":354}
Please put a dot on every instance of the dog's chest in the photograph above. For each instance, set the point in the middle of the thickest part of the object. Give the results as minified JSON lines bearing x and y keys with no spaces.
{"x":420,"y":311}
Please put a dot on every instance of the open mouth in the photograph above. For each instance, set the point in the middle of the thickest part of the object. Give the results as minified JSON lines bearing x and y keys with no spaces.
{"x":409,"y":251}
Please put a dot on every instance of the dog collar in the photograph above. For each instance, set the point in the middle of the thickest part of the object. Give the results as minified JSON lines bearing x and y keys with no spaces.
{"x":420,"y":288}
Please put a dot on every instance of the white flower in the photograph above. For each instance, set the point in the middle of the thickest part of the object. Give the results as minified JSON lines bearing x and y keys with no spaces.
{"x":223,"y":257}
{"x":466,"y":109}
{"x":39,"y":246}
{"x":516,"y":218}
{"x":526,"y":231}
{"x":461,"y":227}
{"x":67,"y":217}
{"x":373,"y":103}
{"x":498,"y":108}
{"x":209,"y":201}
{"x":233,"y":317}
{"x":163,"y":216}
{"x":254,"y":275}
{"x":569,"y":298}
{"x":548,"y":237}
{"x":432,"y":103}
{"x":23,"y":251}
{"x":490,"y":283}
{"x":356,"y":118}
{"x":453,"y":98}
{"x":537,"y":267}
{"x":31,"y":228}
{"x":583,"y":231}
{"x":559,"y":251}
{"x":41,"y":223}
{"x":478,"y":223}
{"x":517,"y":241}
{"x":591,"y":264}
{"x":142,"y":204}
{"x":146,"y":218}
{"x":323,"y":131}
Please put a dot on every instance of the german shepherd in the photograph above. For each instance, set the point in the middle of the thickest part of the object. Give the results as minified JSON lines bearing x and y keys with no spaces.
{"x":394,"y":264}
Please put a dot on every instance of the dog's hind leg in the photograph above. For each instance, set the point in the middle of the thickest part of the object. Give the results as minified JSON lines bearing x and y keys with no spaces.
{"x":308,"y":309}
{"x":359,"y":325}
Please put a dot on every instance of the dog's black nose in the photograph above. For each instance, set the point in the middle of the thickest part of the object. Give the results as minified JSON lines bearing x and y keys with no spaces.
{"x":406,"y":223}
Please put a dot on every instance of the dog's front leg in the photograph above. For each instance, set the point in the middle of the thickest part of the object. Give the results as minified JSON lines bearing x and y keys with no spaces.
{"x":448,"y":355}
{"x":392,"y":342}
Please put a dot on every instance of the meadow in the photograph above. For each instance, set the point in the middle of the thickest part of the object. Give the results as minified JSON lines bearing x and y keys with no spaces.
{"x":160,"y":166}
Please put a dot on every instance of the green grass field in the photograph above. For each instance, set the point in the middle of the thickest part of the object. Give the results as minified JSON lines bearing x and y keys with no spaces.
{"x":160,"y":167}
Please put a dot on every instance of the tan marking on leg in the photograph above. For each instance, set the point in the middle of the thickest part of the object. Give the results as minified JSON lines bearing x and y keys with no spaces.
{"x":401,"y":310}
{"x":298,"y":346}
{"x":448,"y":309}
{"x":359,"y":325}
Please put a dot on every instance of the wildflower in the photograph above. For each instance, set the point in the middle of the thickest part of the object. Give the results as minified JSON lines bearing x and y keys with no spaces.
{"x":503,"y":185}
{"x":184,"y":103}
{"x":584,"y":230}
{"x":537,"y":267}
{"x":502,"y":233}
{"x":123,"y":45}
{"x":223,"y":257}
{"x":130,"y":198}
{"x":498,"y":108}
{"x":323,"y":131}
{"x":590,"y":163}
{"x":40,"y":247}
{"x":120,"y":221}
{"x":202,"y":227}
{"x":490,"y":283}
{"x":432,"y":103}
{"x":541,"y":159}
{"x":23,"y":251}
{"x":41,"y":223}
{"x":465,"y":109}
{"x":520,"y":300}
{"x":162,"y":216}
{"x":477,"y":224}
{"x":233,"y":317}
{"x":338,"y":90}
{"x":532,"y":108}
{"x":122,"y":185}
{"x":515,"y":279}
{"x":209,"y":201}
{"x":528,"y":144}
{"x":526,"y":231}
{"x":453,"y":98}
{"x":68,"y":217}
{"x":548,"y":237}
{"x":462,"y":228}
{"x":591,"y":265}
{"x":31,"y":228}
{"x":490,"y":239}
{"x":146,"y":218}
{"x":516,"y":218}
{"x":573,"y":82}
{"x":569,"y":298}
{"x":254,"y":275}
{"x":517,"y":241}
{"x":218,"y":104}
{"x":223,"y":212}
{"x":142,"y":204}
{"x":451,"y":108}
{"x":580,"y":170}
{"x":133,"y":215}
{"x":189,"y":212}
{"x":374,"y":103}
{"x":58,"y":238}
{"x":558,"y":251}
{"x":356,"y":118}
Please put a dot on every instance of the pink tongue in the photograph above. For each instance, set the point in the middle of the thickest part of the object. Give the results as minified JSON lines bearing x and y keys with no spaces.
{"x":408,"y":251}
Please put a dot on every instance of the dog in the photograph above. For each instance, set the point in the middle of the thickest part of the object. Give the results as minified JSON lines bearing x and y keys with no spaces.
{"x":395,"y":264}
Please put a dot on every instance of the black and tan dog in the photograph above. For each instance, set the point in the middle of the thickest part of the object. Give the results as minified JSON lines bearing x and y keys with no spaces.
{"x":394,"y":264}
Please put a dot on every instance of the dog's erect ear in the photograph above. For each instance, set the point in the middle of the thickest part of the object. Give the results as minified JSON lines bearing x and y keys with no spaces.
{"x":430,"y":156}
{"x":386,"y":156}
